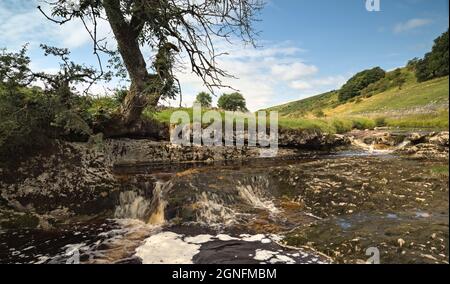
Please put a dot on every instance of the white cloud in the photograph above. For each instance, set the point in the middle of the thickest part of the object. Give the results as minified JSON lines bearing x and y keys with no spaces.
{"x":292,"y":71}
{"x":333,"y":82}
{"x":411,"y":25}
{"x":300,"y":85}
{"x":21,"y":22}
{"x":265,"y":76}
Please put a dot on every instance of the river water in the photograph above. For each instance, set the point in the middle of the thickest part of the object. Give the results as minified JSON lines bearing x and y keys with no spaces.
{"x":314,"y":209}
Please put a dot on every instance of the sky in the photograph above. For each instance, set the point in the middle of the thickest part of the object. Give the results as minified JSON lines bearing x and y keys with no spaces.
{"x":304,"y":48}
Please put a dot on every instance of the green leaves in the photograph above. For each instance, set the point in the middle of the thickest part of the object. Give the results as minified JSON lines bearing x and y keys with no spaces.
{"x":232,"y":102}
{"x":435,"y":63}
{"x":204,"y":99}
{"x":360,"y":81}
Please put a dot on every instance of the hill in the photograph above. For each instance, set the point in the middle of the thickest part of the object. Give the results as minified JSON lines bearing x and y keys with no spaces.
{"x":391,"y":101}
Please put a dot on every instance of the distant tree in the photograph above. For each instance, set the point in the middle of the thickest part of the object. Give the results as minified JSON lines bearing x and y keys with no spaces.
{"x":204,"y":99}
{"x":232,"y":102}
{"x":435,"y":63}
{"x":360,"y":81}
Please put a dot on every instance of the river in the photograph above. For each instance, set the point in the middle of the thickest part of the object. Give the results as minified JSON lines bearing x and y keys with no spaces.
{"x":317,"y":208}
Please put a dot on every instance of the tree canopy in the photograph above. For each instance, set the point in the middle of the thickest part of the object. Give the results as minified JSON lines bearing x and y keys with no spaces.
{"x":232,"y":102}
{"x":204,"y":99}
{"x":435,"y":63}
{"x":357,"y":83}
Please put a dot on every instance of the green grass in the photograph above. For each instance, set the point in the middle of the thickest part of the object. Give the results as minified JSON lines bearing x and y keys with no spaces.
{"x":414,"y":105}
{"x":437,"y":120}
{"x":388,"y":108}
{"x":440,"y":170}
{"x":413,"y":95}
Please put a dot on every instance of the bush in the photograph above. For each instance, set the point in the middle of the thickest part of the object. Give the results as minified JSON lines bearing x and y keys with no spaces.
{"x":232,"y":102}
{"x":32,"y":117}
{"x":204,"y":99}
{"x":342,"y":126}
{"x":360,"y":81}
{"x":319,"y":113}
{"x":435,"y":63}
{"x":380,"y":122}
{"x":363,"y":123}
{"x":25,"y":124}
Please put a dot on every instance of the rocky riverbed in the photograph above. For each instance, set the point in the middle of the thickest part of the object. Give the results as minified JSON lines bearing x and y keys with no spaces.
{"x":323,"y":199}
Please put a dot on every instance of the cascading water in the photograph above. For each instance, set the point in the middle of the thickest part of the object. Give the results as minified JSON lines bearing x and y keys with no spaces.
{"x":253,"y":195}
{"x":132,"y":205}
{"x":212,"y":210}
{"x":158,"y":203}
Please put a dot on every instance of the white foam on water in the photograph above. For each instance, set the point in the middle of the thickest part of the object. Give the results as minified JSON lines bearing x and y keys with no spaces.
{"x":254,"y":238}
{"x":263,"y":255}
{"x":225,"y":238}
{"x":167,"y":248}
{"x":172,"y":248}
{"x":266,"y":241}
{"x":200,"y":239}
{"x":282,"y":259}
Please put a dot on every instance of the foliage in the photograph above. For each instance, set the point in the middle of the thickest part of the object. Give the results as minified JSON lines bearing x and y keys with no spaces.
{"x":26,"y":116}
{"x":357,"y":83}
{"x":394,"y":79}
{"x":204,"y":99}
{"x":380,"y":121}
{"x":319,"y":113}
{"x":31,"y":116}
{"x":435,"y":63}
{"x":232,"y":102}
{"x":412,"y":64}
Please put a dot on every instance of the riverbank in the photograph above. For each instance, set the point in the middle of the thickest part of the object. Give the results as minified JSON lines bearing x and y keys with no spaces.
{"x":370,"y":187}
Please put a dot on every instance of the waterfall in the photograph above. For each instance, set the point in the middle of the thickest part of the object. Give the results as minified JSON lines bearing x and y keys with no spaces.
{"x":253,"y":194}
{"x":132,"y":205}
{"x":213,"y":211}
{"x":158,"y":204}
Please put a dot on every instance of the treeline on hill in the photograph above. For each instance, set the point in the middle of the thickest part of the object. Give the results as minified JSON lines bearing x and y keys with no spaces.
{"x":435,"y":63}
{"x":368,"y":82}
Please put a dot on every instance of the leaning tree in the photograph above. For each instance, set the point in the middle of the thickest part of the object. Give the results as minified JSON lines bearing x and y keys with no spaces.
{"x":168,"y":27}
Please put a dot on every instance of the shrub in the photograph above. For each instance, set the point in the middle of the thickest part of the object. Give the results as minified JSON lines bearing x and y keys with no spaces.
{"x":435,"y":63}
{"x":25,"y":124}
{"x":232,"y":102}
{"x":363,"y":123}
{"x":380,"y":122}
{"x":319,"y":113}
{"x":32,"y":117}
{"x":342,"y":126}
{"x":204,"y":99}
{"x":360,"y":81}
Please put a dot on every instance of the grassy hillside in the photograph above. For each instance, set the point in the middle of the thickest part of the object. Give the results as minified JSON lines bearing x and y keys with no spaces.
{"x":411,"y":105}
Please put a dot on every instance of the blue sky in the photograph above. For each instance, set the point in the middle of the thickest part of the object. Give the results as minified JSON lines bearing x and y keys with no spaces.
{"x":305,"y":47}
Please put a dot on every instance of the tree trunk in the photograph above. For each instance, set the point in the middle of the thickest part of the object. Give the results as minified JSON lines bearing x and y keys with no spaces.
{"x":140,"y":94}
